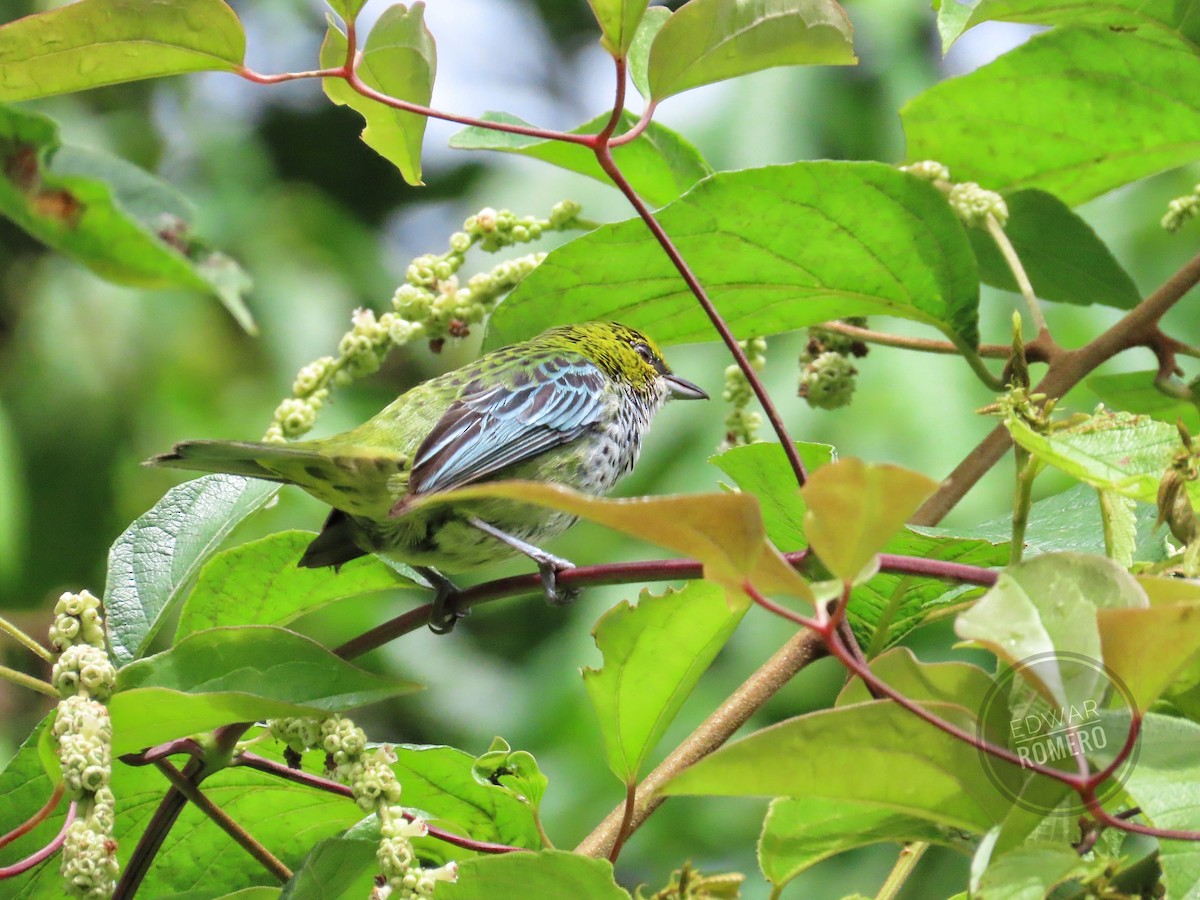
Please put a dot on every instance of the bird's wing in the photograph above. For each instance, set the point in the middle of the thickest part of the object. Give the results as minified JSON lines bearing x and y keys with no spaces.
{"x":492,"y":426}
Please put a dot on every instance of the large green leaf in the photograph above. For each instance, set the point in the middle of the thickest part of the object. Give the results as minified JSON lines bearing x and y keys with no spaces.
{"x":1067,"y":521}
{"x":654,"y":654}
{"x":259,"y":583}
{"x":157,"y":556}
{"x":335,"y":867}
{"x":548,"y":874}
{"x":639,"y":51}
{"x":1032,"y":871}
{"x":96,"y":42}
{"x":660,"y":164}
{"x":1135,"y":392}
{"x":777,"y":248}
{"x":106,"y":214}
{"x":245,"y":673}
{"x":1065,"y":260}
{"x":399,"y":59}
{"x":799,"y":833}
{"x":1173,"y":16}
{"x":863,"y":753}
{"x":713,"y":40}
{"x":618,"y":21}
{"x":1075,"y":111}
{"x":1151,"y":648}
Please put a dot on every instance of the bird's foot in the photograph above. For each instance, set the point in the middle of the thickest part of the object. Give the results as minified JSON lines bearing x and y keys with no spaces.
{"x":556,"y":594}
{"x":443,"y":616}
{"x":548,"y":564}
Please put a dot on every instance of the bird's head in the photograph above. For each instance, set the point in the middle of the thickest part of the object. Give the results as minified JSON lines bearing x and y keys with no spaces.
{"x":628,"y":357}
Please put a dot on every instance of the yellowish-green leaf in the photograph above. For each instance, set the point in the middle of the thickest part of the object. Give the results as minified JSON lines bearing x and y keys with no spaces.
{"x":618,"y":20}
{"x":713,"y":40}
{"x":654,"y":653}
{"x":1150,"y":649}
{"x":399,"y":59}
{"x":639,"y":51}
{"x":854,"y":508}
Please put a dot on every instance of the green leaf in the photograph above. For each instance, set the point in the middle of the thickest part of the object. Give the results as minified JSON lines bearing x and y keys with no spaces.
{"x":1177,"y":18}
{"x":777,"y":248}
{"x":155,"y":558}
{"x":1032,"y":871}
{"x":639,"y":50}
{"x":1119,"y":515}
{"x":714,"y":40}
{"x":799,"y":833}
{"x":442,"y":783}
{"x":399,"y":59}
{"x":958,"y":683}
{"x":108,"y":215}
{"x":1074,"y":111}
{"x":952,"y":19}
{"x":259,"y":583}
{"x":854,"y":508}
{"x":1065,"y":260}
{"x":762,"y":469}
{"x":1135,"y":392}
{"x":336,"y":867}
{"x":1165,"y":784}
{"x":548,"y":873}
{"x":514,"y":770}
{"x":243,"y":674}
{"x":1110,"y":451}
{"x":1046,"y":606}
{"x":660,"y":164}
{"x":97,"y":42}
{"x":1068,"y":521}
{"x":654,"y":654}
{"x":809,"y":756}
{"x":347,"y":9}
{"x":618,"y":20}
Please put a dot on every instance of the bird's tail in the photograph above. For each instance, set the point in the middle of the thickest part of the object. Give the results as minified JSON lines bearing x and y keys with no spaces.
{"x":254,"y":460}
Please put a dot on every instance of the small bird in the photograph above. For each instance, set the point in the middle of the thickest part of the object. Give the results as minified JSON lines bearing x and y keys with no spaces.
{"x":570,"y":406}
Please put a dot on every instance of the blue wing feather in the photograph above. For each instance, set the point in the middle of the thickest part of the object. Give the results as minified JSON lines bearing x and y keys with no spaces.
{"x":493,"y":426}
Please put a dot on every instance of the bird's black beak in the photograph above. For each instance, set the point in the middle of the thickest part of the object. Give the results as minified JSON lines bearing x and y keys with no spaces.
{"x":682,"y":389}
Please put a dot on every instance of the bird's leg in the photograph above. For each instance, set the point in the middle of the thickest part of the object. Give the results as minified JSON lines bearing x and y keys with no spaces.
{"x":443,"y":617}
{"x":548,"y":564}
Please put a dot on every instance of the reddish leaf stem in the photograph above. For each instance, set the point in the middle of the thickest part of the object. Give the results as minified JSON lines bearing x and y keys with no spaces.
{"x":33,"y":821}
{"x":45,"y":853}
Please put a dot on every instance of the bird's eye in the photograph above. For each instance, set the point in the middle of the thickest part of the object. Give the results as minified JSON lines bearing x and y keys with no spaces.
{"x":644,"y":352}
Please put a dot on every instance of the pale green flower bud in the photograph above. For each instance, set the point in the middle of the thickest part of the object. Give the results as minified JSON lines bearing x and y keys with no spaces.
{"x":460,"y":242}
{"x":929,"y":169}
{"x":485,"y":221}
{"x":974,"y":204}
{"x":295,"y":416}
{"x":312,"y":376}
{"x":86,"y":763}
{"x":1181,"y":210}
{"x":84,"y":669}
{"x":89,"y":862}
{"x":300,"y":733}
{"x":564,"y":213}
{"x":342,"y":739}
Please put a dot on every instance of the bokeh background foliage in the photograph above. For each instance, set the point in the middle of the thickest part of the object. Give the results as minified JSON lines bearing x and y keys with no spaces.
{"x":95,"y":377}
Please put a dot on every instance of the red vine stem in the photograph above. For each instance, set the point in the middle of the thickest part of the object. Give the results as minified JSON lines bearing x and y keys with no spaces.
{"x":45,"y":853}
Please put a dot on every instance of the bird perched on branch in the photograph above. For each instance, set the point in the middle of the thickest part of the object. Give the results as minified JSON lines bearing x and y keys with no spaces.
{"x":570,"y":406}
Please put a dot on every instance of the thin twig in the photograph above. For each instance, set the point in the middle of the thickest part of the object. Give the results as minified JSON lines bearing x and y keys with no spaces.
{"x":636,"y":131}
{"x":241,"y":837}
{"x":910,"y":855}
{"x":996,"y":230}
{"x":25,"y":640}
{"x":922,"y":345}
{"x":27,"y":681}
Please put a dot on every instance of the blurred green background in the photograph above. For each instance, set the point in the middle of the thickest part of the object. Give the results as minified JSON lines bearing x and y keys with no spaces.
{"x":95,"y":378}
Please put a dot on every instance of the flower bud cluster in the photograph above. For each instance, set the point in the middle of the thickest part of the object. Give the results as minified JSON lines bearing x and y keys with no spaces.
{"x":974,"y":204}
{"x":826,"y":372}
{"x":1181,"y":210}
{"x":431,"y":305}
{"x":77,"y":620}
{"x":398,"y":860}
{"x":928,"y":169}
{"x":300,"y":733}
{"x":84,"y":676}
{"x":741,"y":422}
